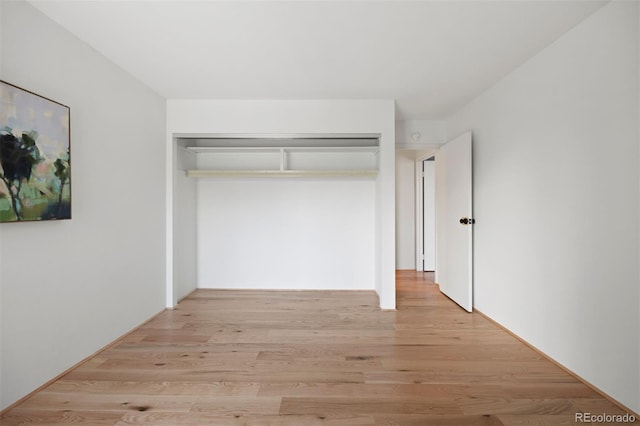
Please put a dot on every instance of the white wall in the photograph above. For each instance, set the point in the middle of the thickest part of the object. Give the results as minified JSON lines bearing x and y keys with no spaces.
{"x":556,"y":163}
{"x":432,"y":133}
{"x":305,"y":117}
{"x":68,"y":288}
{"x":280,"y":233}
{"x":185,"y":262}
{"x":405,"y":209}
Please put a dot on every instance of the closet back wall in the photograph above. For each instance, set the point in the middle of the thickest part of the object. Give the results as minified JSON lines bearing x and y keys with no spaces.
{"x":286,"y":233}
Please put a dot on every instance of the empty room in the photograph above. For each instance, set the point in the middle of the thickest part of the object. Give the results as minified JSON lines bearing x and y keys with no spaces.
{"x":319,"y":212}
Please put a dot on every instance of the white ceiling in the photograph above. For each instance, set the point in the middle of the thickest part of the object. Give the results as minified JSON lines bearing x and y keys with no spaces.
{"x":432,"y":57}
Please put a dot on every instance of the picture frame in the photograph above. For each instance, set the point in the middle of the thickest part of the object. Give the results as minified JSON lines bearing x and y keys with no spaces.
{"x":35,"y":156}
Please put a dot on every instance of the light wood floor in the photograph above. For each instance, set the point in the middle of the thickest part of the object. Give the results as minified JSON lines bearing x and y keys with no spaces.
{"x":315,"y":358}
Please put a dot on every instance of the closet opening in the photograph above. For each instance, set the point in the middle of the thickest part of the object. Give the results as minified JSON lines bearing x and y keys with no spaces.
{"x":274,"y":212}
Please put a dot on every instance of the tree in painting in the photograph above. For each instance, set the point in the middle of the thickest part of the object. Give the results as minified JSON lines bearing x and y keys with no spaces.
{"x":18,"y":156}
{"x":62,"y":170}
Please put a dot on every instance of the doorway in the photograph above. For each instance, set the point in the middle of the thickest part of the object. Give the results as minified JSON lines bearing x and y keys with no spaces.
{"x":425,"y":213}
{"x":452,"y":200}
{"x":428,"y":254}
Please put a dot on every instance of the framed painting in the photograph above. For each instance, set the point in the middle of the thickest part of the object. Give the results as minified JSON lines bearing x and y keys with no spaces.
{"x":35,"y":157}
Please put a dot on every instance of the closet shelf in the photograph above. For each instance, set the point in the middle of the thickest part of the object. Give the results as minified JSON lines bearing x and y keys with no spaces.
{"x":281,"y":173}
{"x":283,"y":160}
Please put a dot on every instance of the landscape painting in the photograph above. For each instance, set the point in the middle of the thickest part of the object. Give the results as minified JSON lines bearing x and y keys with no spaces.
{"x":35,"y":158}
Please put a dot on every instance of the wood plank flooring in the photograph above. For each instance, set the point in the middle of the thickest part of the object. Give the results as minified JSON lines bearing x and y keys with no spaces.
{"x":315,"y":358}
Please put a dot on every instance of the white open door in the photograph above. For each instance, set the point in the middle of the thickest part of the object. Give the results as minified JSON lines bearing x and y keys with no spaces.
{"x":429,"y":214}
{"x":454,"y":221}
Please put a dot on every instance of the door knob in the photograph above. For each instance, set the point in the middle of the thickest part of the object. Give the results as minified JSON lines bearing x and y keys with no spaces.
{"x":467,"y":221}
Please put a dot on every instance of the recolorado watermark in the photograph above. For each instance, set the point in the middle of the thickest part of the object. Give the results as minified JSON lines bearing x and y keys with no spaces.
{"x":604,"y":418}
